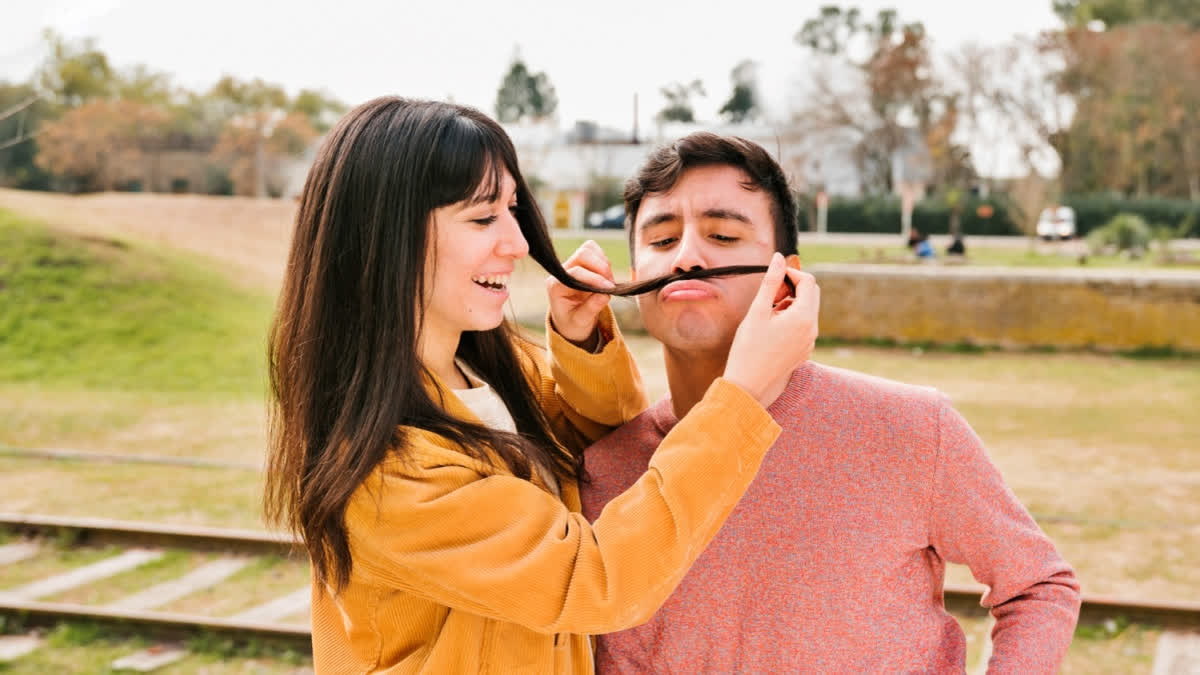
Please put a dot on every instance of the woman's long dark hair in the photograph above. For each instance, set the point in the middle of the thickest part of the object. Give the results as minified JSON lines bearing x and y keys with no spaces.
{"x":345,"y":375}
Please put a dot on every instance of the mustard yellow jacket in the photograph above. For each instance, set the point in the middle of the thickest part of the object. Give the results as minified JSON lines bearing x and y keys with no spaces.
{"x":461,"y":568}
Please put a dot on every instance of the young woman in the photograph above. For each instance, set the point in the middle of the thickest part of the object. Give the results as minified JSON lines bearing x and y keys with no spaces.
{"x":428,"y":456}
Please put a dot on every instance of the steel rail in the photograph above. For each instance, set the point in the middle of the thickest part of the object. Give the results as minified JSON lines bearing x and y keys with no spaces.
{"x":959,"y":598}
{"x":159,"y":625}
{"x":130,"y":533}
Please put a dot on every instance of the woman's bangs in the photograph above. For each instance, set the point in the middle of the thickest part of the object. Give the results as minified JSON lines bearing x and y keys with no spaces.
{"x":470,"y":169}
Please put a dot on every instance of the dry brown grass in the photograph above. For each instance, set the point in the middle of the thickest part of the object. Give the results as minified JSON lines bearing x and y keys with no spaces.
{"x":248,"y":236}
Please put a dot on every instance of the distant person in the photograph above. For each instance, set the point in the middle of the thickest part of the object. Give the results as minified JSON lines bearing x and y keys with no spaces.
{"x":429,"y":457}
{"x":921,"y":247}
{"x":957,"y":247}
{"x":834,"y":560}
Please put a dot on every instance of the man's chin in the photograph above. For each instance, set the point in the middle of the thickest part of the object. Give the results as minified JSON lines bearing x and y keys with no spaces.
{"x":682,"y":337}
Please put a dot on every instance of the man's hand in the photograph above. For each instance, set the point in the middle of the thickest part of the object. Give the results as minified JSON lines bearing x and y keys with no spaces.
{"x":574,"y":313}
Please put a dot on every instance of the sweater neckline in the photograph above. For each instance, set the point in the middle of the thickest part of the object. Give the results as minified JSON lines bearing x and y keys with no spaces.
{"x":795,"y":395}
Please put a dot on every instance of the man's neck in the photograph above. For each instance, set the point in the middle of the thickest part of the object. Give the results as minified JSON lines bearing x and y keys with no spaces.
{"x":689,"y":374}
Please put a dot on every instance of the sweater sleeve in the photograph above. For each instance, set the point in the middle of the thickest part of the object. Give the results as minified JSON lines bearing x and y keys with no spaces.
{"x":500,"y":547}
{"x":586,"y":395}
{"x":977,"y":520}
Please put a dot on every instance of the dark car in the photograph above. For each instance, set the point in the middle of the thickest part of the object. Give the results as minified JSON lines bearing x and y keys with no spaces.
{"x":612,"y":218}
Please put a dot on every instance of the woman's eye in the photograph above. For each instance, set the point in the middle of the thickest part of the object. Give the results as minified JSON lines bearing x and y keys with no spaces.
{"x":487,"y":220}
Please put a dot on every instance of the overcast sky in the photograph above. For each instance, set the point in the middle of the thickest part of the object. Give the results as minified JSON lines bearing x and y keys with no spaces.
{"x":597,"y":55}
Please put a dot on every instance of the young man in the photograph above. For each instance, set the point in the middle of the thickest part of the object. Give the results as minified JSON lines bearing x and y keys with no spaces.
{"x":833,"y":561}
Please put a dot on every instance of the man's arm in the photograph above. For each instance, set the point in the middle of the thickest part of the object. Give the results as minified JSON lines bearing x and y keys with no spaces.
{"x":976,"y":520}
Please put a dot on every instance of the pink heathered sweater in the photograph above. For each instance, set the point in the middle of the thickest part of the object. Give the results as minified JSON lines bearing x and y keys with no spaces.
{"x":833,"y":561}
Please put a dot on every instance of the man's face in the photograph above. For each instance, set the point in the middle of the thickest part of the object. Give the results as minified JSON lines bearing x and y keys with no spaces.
{"x":708,"y":219}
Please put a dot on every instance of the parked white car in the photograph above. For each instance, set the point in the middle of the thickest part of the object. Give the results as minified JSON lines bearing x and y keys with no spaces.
{"x":1056,"y":222}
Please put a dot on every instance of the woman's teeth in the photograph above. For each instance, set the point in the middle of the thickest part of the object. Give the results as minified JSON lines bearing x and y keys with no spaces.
{"x":493,"y":281}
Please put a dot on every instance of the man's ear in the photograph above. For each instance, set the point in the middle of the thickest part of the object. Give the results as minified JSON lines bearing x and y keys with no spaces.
{"x":633,"y":273}
{"x":793,"y":261}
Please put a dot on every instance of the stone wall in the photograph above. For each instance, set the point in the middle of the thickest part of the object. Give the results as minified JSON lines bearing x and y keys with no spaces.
{"x":1105,"y":309}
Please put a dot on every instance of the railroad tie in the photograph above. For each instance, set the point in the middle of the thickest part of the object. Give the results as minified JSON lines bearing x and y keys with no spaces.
{"x":151,"y":658}
{"x":292,"y":603}
{"x":1178,"y":653}
{"x":83,"y":575}
{"x":22,"y":550}
{"x":206,"y":576}
{"x":13,"y":647}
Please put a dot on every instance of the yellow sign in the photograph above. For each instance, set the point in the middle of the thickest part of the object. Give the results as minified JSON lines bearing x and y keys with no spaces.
{"x":562,"y":212}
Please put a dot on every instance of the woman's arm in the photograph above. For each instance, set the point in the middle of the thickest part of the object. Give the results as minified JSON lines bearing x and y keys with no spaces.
{"x":500,"y":547}
{"x":582,"y":393}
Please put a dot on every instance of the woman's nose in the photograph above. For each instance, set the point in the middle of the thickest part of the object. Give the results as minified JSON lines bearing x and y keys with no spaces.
{"x":513,"y":243}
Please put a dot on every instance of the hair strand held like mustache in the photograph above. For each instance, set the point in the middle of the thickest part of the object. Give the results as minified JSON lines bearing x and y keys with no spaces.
{"x":651,"y":285}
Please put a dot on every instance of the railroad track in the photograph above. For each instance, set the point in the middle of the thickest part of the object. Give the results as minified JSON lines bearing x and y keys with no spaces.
{"x":275,"y":621}
{"x":279,"y":622}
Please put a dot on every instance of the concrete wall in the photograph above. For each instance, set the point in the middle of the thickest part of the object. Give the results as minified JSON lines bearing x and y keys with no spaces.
{"x":1010,"y":307}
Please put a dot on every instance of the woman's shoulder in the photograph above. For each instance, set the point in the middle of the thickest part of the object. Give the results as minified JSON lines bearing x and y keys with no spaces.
{"x":419,"y":451}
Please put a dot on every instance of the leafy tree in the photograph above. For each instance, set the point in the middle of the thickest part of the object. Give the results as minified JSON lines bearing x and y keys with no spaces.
{"x":143,"y":85}
{"x":321,"y":109}
{"x":73,"y":72}
{"x":254,"y":144}
{"x":1136,"y":90}
{"x":101,"y":144}
{"x":679,"y":101}
{"x":883,"y":89}
{"x":523,"y":94}
{"x":1119,"y":12}
{"x":743,"y":101}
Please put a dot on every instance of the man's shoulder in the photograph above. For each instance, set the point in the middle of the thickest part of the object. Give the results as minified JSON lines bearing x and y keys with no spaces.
{"x":842,"y":396}
{"x":866,"y":388}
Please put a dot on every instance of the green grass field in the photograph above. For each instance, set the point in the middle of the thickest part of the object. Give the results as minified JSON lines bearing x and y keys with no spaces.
{"x":105,"y":314}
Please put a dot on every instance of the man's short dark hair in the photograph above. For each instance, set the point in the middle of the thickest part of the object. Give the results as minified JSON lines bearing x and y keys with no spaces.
{"x":665,"y":165}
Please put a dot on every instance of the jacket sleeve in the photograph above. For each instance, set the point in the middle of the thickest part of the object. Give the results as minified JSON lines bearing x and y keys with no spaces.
{"x":585,"y":395}
{"x":500,"y":547}
{"x":977,"y":520}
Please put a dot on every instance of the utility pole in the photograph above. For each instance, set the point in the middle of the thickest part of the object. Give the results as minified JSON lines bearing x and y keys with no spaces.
{"x":635,"y":118}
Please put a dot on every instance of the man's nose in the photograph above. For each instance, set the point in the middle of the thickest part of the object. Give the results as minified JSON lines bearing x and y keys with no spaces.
{"x":689,"y":255}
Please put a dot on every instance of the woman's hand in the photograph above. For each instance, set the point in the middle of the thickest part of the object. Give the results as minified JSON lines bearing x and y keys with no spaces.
{"x":574,"y":313}
{"x":775,"y":338}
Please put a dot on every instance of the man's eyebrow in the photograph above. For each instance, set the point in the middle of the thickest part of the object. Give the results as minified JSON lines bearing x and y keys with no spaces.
{"x":726,"y":214}
{"x":659,"y":218}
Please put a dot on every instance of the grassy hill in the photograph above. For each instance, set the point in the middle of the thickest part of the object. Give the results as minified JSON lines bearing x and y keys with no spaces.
{"x":106,"y":314}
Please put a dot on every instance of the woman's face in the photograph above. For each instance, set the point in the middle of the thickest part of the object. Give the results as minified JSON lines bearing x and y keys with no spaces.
{"x":477,"y":244}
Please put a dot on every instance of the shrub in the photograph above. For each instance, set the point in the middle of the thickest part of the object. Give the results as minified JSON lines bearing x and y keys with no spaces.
{"x":1125,"y":232}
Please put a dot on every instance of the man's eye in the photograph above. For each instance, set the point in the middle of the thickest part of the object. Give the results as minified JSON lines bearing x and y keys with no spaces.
{"x":663,"y":243}
{"x":724,"y":238}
